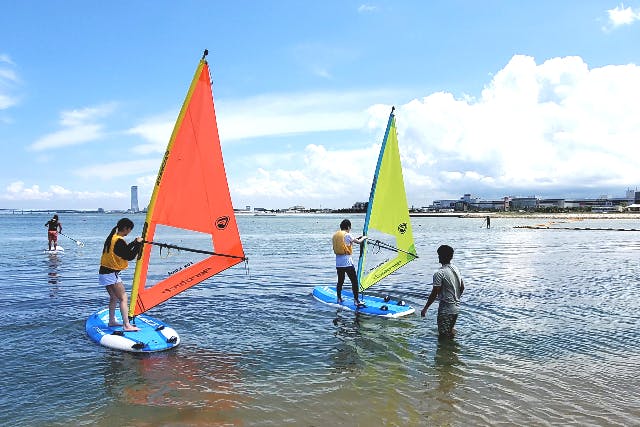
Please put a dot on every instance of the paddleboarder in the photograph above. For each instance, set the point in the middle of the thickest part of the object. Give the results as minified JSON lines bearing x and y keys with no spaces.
{"x":54,"y":226}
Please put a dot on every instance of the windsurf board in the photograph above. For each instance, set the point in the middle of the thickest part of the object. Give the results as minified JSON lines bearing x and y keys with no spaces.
{"x":374,"y":305}
{"x":154,"y":335}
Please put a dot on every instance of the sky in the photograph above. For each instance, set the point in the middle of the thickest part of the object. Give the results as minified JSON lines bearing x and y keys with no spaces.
{"x":493,"y":98}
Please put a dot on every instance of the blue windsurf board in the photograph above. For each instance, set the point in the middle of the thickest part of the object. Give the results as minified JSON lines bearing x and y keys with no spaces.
{"x":154,"y":335}
{"x":374,"y":305}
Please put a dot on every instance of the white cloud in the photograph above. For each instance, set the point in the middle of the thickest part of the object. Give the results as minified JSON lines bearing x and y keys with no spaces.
{"x":8,"y":81}
{"x":79,"y":126}
{"x":534,"y":129}
{"x":364,"y":8}
{"x":319,"y":175}
{"x":17,"y":191}
{"x":620,"y":16}
{"x":271,"y":115}
{"x":107,"y":171}
{"x":156,"y":131}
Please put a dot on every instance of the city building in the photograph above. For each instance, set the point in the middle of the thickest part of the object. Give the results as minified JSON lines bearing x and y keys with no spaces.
{"x":603,"y":204}
{"x":134,"y":199}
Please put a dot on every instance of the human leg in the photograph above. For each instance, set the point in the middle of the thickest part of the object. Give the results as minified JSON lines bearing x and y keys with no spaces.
{"x":113,"y":300}
{"x":353,"y":277}
{"x":340,"y":271}
{"x":121,"y":295}
{"x":446,"y":322}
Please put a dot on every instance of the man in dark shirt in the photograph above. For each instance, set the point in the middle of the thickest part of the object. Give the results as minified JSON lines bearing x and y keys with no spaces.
{"x":54,"y":227}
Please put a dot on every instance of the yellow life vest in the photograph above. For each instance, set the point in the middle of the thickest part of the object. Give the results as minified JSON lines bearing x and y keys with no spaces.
{"x":339,"y":246}
{"x":110,"y":259}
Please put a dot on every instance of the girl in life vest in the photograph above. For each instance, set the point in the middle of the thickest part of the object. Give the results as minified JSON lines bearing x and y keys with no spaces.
{"x":115,"y":256}
{"x":342,"y":247}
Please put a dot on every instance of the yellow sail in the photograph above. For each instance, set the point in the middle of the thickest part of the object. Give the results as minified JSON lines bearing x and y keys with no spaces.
{"x":387,"y":225}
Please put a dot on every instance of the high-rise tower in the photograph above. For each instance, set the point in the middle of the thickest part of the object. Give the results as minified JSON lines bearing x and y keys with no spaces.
{"x":134,"y":199}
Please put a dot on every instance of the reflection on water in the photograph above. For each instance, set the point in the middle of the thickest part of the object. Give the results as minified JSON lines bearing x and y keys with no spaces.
{"x":447,"y":365}
{"x":197,"y":387}
{"x":53,"y":277}
{"x":345,"y":357}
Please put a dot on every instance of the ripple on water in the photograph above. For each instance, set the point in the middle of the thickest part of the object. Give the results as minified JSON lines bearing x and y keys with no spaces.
{"x":547,"y":335}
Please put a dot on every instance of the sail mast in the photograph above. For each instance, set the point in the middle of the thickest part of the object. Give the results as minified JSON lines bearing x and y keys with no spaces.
{"x":367,"y":218}
{"x":143,"y":258}
{"x":191,"y":193}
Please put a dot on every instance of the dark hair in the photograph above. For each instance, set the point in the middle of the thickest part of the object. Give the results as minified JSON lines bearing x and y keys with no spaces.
{"x":121,"y":225}
{"x":55,"y":217}
{"x":445,"y":254}
{"x":345,"y":224}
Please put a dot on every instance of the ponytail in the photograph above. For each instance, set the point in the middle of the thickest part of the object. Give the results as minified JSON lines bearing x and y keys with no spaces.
{"x":121,"y":225}
{"x":107,"y":242}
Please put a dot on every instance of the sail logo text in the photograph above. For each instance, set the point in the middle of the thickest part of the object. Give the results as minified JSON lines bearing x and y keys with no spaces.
{"x":402,"y":228}
{"x":186,"y":282}
{"x":388,"y":270}
{"x":172,"y":272}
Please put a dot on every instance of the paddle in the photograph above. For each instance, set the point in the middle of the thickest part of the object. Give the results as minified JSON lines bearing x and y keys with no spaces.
{"x":78,"y":242}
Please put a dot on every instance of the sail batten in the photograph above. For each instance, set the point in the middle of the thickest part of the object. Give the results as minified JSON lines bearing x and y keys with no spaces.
{"x":190,"y":197}
{"x":387,"y":224}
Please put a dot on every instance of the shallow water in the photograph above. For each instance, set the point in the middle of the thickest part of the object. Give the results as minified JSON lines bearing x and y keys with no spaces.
{"x":548,"y":333}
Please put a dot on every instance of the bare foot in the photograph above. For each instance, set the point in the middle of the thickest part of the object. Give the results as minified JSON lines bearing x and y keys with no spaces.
{"x":130,"y":328}
{"x":114,"y":324}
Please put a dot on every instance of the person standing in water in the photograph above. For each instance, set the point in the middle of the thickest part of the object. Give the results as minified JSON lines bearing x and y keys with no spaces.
{"x":343,"y":248}
{"x":115,"y":256}
{"x":488,"y":221}
{"x":54,"y":227}
{"x":448,"y":286}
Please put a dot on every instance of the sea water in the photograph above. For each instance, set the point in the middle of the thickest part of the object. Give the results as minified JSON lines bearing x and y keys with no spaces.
{"x":549,"y":332}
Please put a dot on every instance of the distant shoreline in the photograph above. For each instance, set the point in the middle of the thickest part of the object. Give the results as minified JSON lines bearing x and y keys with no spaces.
{"x":524,"y":215}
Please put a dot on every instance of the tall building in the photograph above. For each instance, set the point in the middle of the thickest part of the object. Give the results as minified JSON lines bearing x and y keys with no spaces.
{"x":134,"y":199}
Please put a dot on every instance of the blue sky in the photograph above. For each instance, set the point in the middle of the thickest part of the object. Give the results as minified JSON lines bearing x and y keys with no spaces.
{"x":493,"y":98}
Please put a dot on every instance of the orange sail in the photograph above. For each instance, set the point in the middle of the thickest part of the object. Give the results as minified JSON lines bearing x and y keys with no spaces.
{"x":191,"y":193}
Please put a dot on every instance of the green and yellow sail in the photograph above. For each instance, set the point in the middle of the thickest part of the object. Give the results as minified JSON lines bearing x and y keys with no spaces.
{"x":387,"y":225}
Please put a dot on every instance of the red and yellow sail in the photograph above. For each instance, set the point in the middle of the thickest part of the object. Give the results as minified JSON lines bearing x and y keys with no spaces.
{"x":191,"y":193}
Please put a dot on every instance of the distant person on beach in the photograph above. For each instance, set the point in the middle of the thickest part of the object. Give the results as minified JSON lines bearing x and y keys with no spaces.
{"x":115,"y":254}
{"x":343,"y":248}
{"x":448,"y":286}
{"x":54,"y":227}
{"x":488,"y":221}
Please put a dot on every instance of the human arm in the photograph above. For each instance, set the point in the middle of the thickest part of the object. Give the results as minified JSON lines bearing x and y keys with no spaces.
{"x":127,"y":251}
{"x":59,"y":227}
{"x":360,"y":240}
{"x":432,"y":297}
